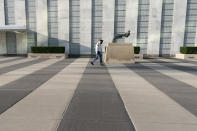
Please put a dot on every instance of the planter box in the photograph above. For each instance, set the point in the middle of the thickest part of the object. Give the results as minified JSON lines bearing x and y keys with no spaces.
{"x":138,"y":56}
{"x":187,"y":56}
{"x":42,"y":55}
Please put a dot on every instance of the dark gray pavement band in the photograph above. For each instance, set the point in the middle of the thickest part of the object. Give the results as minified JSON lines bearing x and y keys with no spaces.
{"x":20,"y":65}
{"x":13,"y":92}
{"x":185,"y":61}
{"x":96,"y":105}
{"x":188,"y":69}
{"x":10,"y":60}
{"x":180,"y":92}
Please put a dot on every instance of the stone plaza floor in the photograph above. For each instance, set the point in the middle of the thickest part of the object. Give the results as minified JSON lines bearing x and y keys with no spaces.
{"x":157,"y":94}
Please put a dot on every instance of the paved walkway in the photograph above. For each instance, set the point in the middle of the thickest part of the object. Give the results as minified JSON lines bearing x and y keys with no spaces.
{"x":71,"y":95}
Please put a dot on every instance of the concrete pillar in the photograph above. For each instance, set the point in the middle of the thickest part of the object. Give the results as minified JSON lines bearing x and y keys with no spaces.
{"x":21,"y":43}
{"x":20,"y":12}
{"x":20,"y":19}
{"x":63,"y":24}
{"x":154,"y":29}
{"x":85,"y":26}
{"x":196,"y":38}
{"x":131,"y":20}
{"x":2,"y":13}
{"x":42,"y":22}
{"x":178,"y":26}
{"x":3,"y":49}
{"x":108,"y":21}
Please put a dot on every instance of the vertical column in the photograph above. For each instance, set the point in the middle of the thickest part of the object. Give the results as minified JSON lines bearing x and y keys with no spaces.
{"x":97,"y":19}
{"x":42,"y":22}
{"x":196,"y":38}
{"x":3,"y":49}
{"x":108,"y":20}
{"x":2,"y":13}
{"x":63,"y":24}
{"x":52,"y":8}
{"x":74,"y":27}
{"x":178,"y":26}
{"x":31,"y":24}
{"x":20,"y":19}
{"x":131,"y":20}
{"x":21,"y":43}
{"x":154,"y":27}
{"x":85,"y":26}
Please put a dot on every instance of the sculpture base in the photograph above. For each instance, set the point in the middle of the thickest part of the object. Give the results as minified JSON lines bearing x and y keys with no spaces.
{"x":119,"y":53}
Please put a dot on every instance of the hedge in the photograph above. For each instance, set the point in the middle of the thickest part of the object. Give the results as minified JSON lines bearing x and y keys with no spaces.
{"x":188,"y":50}
{"x":47,"y":49}
{"x":136,"y":50}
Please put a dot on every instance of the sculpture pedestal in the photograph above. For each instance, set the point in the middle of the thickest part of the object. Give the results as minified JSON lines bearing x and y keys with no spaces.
{"x":119,"y":53}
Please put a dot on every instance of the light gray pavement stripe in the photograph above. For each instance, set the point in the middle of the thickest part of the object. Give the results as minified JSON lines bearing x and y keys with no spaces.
{"x":42,"y":109}
{"x":2,"y":58}
{"x":28,"y":83}
{"x":185,"y":61}
{"x":179,"y":75}
{"x":19,"y":73}
{"x":20,"y":65}
{"x":149,"y":108}
{"x":189,"y":69}
{"x":16,"y":62}
{"x":10,"y":60}
{"x":182,"y":93}
{"x":96,"y":105}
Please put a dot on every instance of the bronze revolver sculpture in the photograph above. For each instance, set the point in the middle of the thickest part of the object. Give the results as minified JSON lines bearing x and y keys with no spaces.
{"x":120,"y":36}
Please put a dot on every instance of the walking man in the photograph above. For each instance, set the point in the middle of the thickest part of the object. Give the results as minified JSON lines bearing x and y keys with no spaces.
{"x":98,"y":50}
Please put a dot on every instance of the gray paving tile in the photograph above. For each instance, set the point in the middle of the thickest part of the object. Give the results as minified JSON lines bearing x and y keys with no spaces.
{"x":188,"y":69}
{"x":22,"y":87}
{"x":10,"y":60}
{"x":9,"y":97}
{"x":20,"y":65}
{"x":96,"y":105}
{"x":180,"y":92}
{"x":83,"y":125}
{"x":185,"y":61}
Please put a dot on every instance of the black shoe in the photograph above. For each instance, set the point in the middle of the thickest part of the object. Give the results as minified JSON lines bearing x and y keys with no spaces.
{"x":91,"y":63}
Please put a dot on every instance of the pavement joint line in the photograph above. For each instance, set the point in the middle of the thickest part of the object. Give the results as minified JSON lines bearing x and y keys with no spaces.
{"x":36,"y":95}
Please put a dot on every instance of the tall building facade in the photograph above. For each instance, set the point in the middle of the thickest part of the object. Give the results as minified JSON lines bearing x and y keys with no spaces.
{"x":159,"y":27}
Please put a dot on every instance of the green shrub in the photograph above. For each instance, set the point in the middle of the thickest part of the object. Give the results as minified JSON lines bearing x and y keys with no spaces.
{"x":136,"y":50}
{"x":48,"y":49}
{"x":188,"y":50}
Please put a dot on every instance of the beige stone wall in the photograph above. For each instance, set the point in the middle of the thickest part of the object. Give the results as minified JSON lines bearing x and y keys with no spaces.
{"x":119,"y":53}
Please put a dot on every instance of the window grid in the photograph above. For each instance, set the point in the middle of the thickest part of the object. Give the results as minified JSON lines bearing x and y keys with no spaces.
{"x":191,"y":21}
{"x":52,"y":22}
{"x":166,"y":26}
{"x":74,"y":27}
{"x":97,"y":18}
{"x":142,"y":26}
{"x":119,"y":21}
{"x":31,"y":23}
